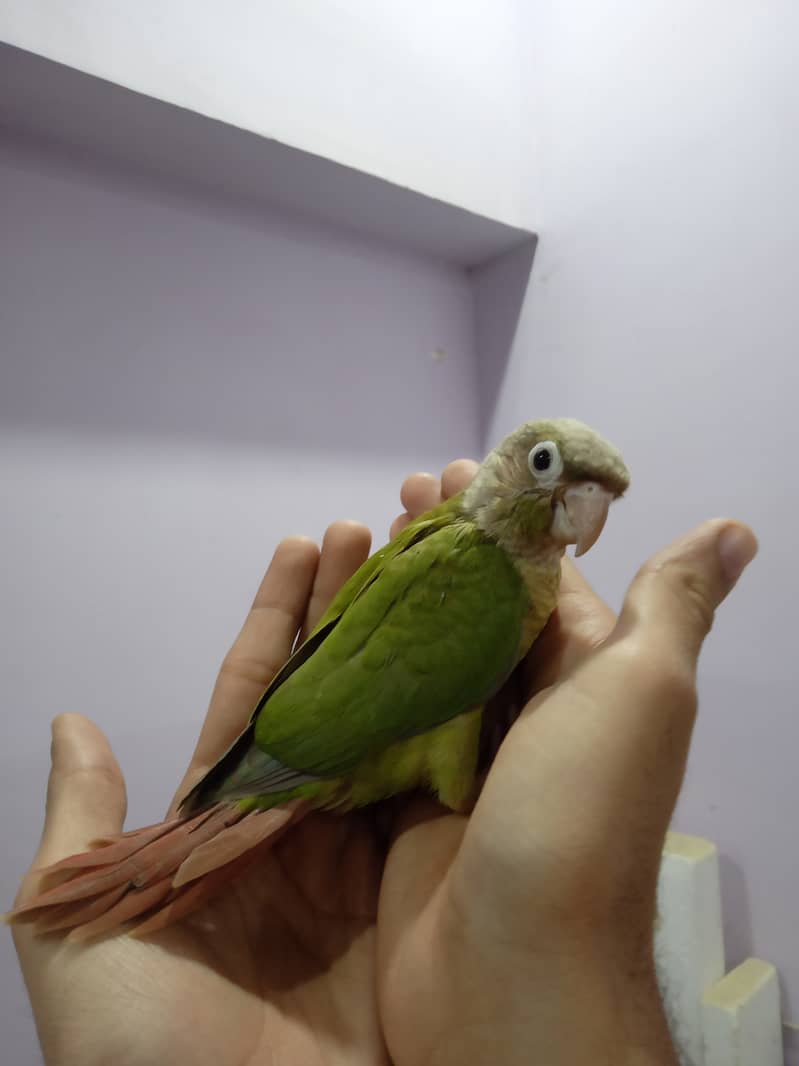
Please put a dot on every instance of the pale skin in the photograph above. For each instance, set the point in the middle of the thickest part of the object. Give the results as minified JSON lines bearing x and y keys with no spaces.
{"x":519,"y":934}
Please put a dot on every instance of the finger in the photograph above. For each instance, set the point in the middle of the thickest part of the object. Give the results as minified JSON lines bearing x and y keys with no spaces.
{"x":642,"y":682}
{"x":422,"y":492}
{"x":644,"y":676}
{"x":419,"y":493}
{"x":628,"y":709}
{"x":345,"y":547}
{"x":673,"y":598}
{"x":579,"y":624}
{"x":261,"y":648}
{"x":457,"y":476}
{"x":86,"y":796}
{"x":595,"y":764}
{"x":583,"y":614}
{"x":399,"y":523}
{"x":643,"y":679}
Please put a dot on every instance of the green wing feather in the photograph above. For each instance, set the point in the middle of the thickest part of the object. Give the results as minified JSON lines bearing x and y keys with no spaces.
{"x":433,"y":636}
{"x":431,"y":521}
{"x":241,"y":767}
{"x":408,"y":642}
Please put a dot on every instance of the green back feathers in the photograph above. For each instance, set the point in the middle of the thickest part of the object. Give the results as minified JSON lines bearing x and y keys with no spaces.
{"x":434,"y":632}
{"x":427,"y":628}
{"x":445,"y":514}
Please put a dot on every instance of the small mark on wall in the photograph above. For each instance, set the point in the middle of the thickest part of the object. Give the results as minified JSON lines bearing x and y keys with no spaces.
{"x":438,"y":355}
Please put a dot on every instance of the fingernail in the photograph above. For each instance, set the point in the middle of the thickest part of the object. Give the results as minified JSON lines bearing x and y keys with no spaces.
{"x":736,"y":547}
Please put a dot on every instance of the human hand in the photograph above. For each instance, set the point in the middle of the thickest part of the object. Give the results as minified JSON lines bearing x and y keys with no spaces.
{"x":277,"y":970}
{"x":291,"y":965}
{"x":525,"y":932}
{"x":281,"y":969}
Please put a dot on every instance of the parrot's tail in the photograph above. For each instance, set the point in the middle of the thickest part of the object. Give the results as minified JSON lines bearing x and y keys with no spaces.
{"x":161,"y":873}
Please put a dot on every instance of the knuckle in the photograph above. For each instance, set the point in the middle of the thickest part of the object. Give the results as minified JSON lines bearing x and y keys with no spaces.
{"x":655,"y":673}
{"x":632,"y":659}
{"x":695,"y":596}
{"x":690,"y":589}
{"x":256,"y":671}
{"x":673,"y":683}
{"x":91,"y":777}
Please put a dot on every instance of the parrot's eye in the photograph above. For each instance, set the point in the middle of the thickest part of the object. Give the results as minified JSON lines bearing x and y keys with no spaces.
{"x":545,"y":462}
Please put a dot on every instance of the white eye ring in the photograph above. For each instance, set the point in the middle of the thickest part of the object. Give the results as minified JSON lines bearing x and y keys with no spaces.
{"x":545,"y":462}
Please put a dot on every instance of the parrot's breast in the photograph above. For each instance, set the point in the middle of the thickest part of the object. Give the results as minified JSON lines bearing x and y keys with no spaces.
{"x":541,"y":579}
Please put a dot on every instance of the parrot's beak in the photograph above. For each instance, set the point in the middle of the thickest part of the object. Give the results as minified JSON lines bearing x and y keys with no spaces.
{"x":580,"y":515}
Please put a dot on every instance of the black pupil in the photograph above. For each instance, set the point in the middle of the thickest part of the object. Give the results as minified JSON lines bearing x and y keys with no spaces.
{"x":542,"y":460}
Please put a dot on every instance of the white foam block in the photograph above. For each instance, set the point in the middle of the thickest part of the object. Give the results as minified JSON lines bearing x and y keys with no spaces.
{"x":689,"y":943}
{"x":741,"y":1017}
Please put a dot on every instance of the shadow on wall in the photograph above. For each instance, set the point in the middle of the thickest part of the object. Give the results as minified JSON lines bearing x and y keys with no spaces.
{"x":500,"y":288}
{"x":736,"y":912}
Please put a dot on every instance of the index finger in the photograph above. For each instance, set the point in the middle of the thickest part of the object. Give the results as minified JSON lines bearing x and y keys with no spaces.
{"x":258,"y":652}
{"x":579,"y":624}
{"x":421,"y":492}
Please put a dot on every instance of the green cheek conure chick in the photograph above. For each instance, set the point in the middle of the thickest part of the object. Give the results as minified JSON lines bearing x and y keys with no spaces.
{"x":384,"y":696}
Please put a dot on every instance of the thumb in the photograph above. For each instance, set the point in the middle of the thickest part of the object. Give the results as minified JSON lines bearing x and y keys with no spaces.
{"x":672,"y":601}
{"x":644,"y":677}
{"x":86,"y":796}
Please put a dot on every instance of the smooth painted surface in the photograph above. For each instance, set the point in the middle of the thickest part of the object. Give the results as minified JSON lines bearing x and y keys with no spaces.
{"x":41,"y":98}
{"x":663,"y":309}
{"x":425,"y":95}
{"x":182,"y":383}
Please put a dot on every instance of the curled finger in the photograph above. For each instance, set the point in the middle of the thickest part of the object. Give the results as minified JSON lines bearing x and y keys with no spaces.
{"x":345,"y":547}
{"x":260,"y":649}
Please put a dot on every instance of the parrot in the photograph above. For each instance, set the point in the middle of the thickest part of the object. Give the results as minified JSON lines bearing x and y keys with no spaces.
{"x":385,"y":695}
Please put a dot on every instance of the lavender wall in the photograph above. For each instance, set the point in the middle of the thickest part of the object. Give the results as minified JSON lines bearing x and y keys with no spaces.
{"x":663,"y":309}
{"x":426,"y":95}
{"x":182,"y":382}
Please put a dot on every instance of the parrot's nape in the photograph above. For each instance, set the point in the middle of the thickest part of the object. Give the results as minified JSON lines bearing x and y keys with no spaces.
{"x":385,"y":695}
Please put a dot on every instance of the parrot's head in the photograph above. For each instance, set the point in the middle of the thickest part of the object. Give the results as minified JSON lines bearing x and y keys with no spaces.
{"x":549,"y":484}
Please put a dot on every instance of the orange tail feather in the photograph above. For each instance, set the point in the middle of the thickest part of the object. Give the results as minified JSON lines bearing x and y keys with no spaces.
{"x":132,"y":904}
{"x":68,"y":915}
{"x":232,"y":842}
{"x":161,"y":872}
{"x":191,"y":897}
{"x":108,"y":851}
